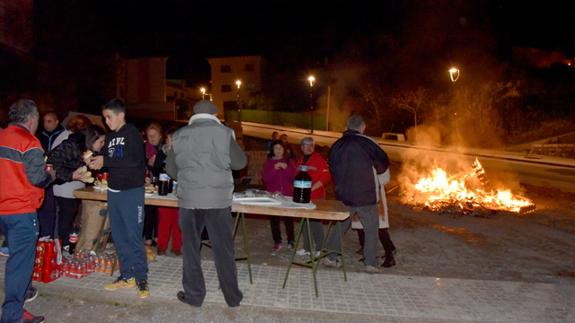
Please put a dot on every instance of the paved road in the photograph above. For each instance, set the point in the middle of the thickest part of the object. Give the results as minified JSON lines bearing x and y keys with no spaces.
{"x":533,"y":170}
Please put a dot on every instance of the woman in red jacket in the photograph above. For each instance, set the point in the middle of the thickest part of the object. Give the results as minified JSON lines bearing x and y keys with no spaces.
{"x":318,"y":169}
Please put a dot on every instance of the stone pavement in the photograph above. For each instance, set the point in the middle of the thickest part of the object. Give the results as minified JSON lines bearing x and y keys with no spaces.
{"x":384,"y":295}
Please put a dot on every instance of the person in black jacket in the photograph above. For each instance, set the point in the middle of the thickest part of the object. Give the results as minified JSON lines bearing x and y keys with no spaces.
{"x":352,"y":160}
{"x":67,"y":159}
{"x":126,"y":162}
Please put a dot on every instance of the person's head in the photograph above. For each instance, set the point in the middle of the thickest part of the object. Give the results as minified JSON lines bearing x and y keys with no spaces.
{"x":94,"y":137}
{"x":78,"y":123}
{"x":50,"y":121}
{"x":275,"y":135}
{"x":307,"y":145}
{"x":170,"y":135}
{"x":154,"y":133}
{"x":278,"y":150}
{"x":25,"y":113}
{"x":114,"y":113}
{"x":356,"y":122}
{"x":205,"y":106}
{"x":284,"y":138}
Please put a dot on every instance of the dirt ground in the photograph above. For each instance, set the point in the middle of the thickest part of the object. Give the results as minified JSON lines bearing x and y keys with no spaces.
{"x":537,"y":247}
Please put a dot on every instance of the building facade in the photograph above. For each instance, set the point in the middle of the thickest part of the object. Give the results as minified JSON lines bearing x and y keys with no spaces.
{"x":225,"y":71}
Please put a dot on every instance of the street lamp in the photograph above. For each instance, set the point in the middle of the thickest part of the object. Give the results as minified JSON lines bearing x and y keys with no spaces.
{"x":454,"y":74}
{"x":311,"y":80}
{"x":203,"y":91}
{"x":238,"y":102}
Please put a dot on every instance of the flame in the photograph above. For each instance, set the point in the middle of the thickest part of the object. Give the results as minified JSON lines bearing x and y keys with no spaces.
{"x":439,"y":190}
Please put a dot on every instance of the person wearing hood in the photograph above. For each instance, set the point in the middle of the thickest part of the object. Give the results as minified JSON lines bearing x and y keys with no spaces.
{"x":201,"y":159}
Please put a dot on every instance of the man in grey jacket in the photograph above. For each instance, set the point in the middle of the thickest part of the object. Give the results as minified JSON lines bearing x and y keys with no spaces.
{"x":202,"y":158}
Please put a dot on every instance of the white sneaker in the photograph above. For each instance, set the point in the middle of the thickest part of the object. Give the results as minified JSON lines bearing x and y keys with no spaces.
{"x":302,"y":252}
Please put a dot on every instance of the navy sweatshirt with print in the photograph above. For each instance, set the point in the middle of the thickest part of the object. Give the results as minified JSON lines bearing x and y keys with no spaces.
{"x":124,"y":157}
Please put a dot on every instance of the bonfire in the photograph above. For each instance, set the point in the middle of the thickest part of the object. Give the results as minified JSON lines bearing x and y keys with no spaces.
{"x":440,"y":191}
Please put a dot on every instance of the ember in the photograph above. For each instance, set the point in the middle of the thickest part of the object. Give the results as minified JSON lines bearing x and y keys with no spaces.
{"x":468,"y":192}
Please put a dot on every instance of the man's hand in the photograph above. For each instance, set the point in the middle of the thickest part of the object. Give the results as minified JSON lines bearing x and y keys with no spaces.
{"x":96,"y":162}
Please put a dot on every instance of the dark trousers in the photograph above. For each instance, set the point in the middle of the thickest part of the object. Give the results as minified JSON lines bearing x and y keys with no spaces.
{"x":276,"y":231}
{"x":151,"y":222}
{"x":47,"y":213}
{"x":384,"y":238}
{"x":21,"y":231}
{"x":369,"y":217}
{"x":316,"y":228}
{"x":67,"y":210}
{"x":126,"y":212}
{"x":219,"y":224}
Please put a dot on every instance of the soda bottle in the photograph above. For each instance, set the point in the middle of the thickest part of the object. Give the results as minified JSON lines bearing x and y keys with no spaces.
{"x":163,"y":184}
{"x":302,"y":186}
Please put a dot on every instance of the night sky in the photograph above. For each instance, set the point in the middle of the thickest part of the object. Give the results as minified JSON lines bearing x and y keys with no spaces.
{"x":288,"y":31}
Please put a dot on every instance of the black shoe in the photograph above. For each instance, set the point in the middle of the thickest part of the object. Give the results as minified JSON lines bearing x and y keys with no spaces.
{"x":143,"y":289}
{"x":31,"y":294}
{"x":182,"y":297}
{"x":28,"y":317}
{"x":388,"y":262}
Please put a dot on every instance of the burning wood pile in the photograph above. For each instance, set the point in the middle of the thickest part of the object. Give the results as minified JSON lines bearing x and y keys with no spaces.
{"x":470,"y":192}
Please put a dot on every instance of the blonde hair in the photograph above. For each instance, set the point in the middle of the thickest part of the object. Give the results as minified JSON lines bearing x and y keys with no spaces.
{"x":155,"y":126}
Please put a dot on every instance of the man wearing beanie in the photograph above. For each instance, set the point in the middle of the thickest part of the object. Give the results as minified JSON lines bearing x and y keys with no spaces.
{"x":202,"y":158}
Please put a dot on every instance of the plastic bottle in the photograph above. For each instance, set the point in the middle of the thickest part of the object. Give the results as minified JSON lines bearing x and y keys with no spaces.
{"x":163,"y":184}
{"x":302,"y":186}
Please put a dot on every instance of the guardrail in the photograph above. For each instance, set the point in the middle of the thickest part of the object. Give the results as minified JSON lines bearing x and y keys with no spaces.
{"x":535,"y":170}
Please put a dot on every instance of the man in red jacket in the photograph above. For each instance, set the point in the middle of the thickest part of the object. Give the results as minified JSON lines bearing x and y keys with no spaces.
{"x":24,"y":177}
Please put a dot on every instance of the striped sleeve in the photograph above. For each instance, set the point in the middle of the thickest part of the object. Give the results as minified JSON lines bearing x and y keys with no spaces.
{"x":33,"y":159}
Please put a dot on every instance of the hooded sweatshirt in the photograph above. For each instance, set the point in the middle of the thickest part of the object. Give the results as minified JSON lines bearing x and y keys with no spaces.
{"x":125,"y":158}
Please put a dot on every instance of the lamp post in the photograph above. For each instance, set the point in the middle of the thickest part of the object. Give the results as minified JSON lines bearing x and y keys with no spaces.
{"x":238,"y":102}
{"x":311,"y":80}
{"x":203,"y":91}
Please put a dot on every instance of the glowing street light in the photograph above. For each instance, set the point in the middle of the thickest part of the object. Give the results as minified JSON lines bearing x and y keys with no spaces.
{"x":238,"y":102}
{"x":203,"y":91}
{"x":311,"y":80}
{"x":454,"y":74}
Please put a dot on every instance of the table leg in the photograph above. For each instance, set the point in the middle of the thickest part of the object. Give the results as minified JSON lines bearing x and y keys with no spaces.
{"x":246,"y":246}
{"x":298,"y":236}
{"x":240,"y":217}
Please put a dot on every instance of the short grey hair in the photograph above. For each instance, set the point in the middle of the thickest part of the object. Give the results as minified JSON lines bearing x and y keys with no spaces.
{"x":306,"y":141}
{"x":355,"y":122}
{"x":22,"y":111}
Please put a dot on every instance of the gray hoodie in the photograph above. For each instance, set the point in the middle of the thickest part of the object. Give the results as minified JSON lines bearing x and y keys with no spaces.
{"x":201,"y":159}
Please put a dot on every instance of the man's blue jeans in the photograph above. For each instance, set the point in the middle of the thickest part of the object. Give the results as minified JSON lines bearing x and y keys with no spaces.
{"x":21,"y":231}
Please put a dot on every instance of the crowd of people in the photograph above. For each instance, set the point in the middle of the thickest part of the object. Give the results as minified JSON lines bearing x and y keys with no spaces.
{"x":41,"y":170}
